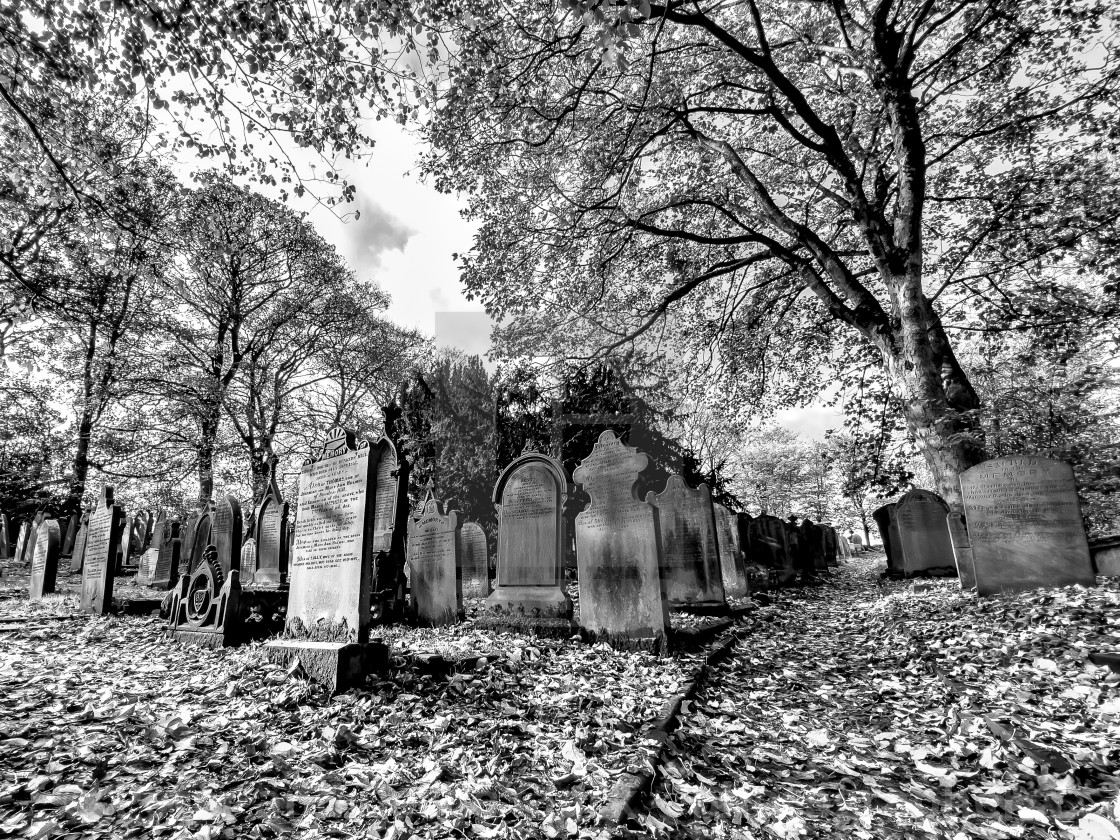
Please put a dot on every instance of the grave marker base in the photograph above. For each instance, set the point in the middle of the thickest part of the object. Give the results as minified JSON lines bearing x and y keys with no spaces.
{"x":337,"y":665}
{"x":521,"y":603}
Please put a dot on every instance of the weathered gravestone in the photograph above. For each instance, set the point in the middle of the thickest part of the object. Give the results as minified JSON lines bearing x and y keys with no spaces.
{"x":271,"y":541}
{"x":69,"y":535}
{"x":433,"y":562}
{"x":225,"y":532}
{"x":146,"y":571}
{"x":44,"y":565}
{"x":32,"y":537}
{"x":104,"y":534}
{"x":923,"y":534}
{"x":474,"y":561}
{"x":1105,"y":552}
{"x":831,"y":545}
{"x":531,"y":497}
{"x":621,"y":598}
{"x":21,"y":540}
{"x":328,"y":614}
{"x":770,"y":547}
{"x":77,"y":556}
{"x":812,"y":540}
{"x":1024,"y":521}
{"x":5,"y":544}
{"x":690,"y":569}
{"x":248,"y":564}
{"x":731,"y":561}
{"x":198,"y":537}
{"x":390,"y":529}
{"x":888,"y":531}
{"x":962,"y":550}
{"x":128,"y":537}
{"x":168,"y":545}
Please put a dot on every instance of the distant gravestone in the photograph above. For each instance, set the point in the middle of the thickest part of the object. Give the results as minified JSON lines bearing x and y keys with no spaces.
{"x":962,"y":550}
{"x":32,"y":537}
{"x":1024,"y":521}
{"x":474,"y":561}
{"x":199,"y":535}
{"x":621,"y":599}
{"x":1105,"y":552}
{"x":106,"y":528}
{"x":225,"y":532}
{"x":44,"y":565}
{"x":79,"y":552}
{"x":922,"y":532}
{"x":690,"y":569}
{"x":248,"y":562}
{"x":271,"y":540}
{"x":124,"y":550}
{"x":328,"y":616}
{"x":168,"y":547}
{"x":145,"y":572}
{"x":69,"y":535}
{"x":813,"y":545}
{"x":770,"y":547}
{"x":433,"y":562}
{"x":531,"y":497}
{"x":21,"y":540}
{"x":888,"y":531}
{"x":831,"y":545}
{"x":5,"y":542}
{"x":732,"y":567}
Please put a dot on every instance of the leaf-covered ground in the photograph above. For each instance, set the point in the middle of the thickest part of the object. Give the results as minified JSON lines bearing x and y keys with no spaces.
{"x":872,"y":710}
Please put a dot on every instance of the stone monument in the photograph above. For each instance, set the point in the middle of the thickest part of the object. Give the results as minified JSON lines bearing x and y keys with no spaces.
{"x":44,"y":564}
{"x":271,"y":535}
{"x":475,"y":561}
{"x":923,"y":535}
{"x":104,"y":533}
{"x":433,"y":562}
{"x":731,"y":561}
{"x":79,"y":552}
{"x":962,"y":550}
{"x":690,"y":569}
{"x":888,"y":532}
{"x":771,"y":547}
{"x":166,"y":541}
{"x":225,"y":531}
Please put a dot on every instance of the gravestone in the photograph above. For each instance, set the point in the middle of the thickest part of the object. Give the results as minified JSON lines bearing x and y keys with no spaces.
{"x":5,"y":543}
{"x":474,"y":561}
{"x":962,"y":550}
{"x":199,"y":535}
{"x":79,"y":552}
{"x":731,"y":561}
{"x":831,"y":545}
{"x":1105,"y":552}
{"x":1024,"y":521}
{"x":531,"y":497}
{"x":32,"y":537}
{"x":328,"y":615}
{"x":225,"y":532}
{"x":770,"y":547}
{"x":813,"y":545}
{"x":44,"y":565}
{"x":621,"y":598}
{"x":168,"y":545}
{"x":21,"y":540}
{"x":433,"y":562}
{"x":888,"y":531}
{"x":690,"y":570}
{"x":124,"y":550}
{"x":104,"y":534}
{"x":390,"y":529}
{"x":271,"y":540}
{"x":70,"y":534}
{"x":923,"y":534}
{"x":248,"y":563}
{"x":145,"y":572}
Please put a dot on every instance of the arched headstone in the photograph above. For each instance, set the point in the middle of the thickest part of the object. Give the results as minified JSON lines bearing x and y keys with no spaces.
{"x":271,"y":543}
{"x":474,"y":560}
{"x":690,"y":567}
{"x":106,"y":529}
{"x":923,"y":533}
{"x":433,"y":561}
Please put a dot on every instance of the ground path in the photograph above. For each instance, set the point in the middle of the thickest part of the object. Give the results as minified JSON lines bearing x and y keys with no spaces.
{"x":866,"y":709}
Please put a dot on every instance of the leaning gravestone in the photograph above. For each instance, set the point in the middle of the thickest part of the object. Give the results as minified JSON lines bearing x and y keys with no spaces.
{"x":70,"y":534}
{"x":1024,"y":520}
{"x":168,"y":545}
{"x":731,"y":561}
{"x":771,"y":548}
{"x":21,"y":541}
{"x":79,"y":553}
{"x":433,"y":562}
{"x":962,"y":550}
{"x":531,"y":496}
{"x":5,"y":530}
{"x":922,"y":532}
{"x":44,"y":565}
{"x":328,"y":617}
{"x":621,"y":598}
{"x":271,"y":535}
{"x":474,"y":560}
{"x":106,"y":528}
{"x":225,"y":532}
{"x":690,"y":568}
{"x":888,"y":531}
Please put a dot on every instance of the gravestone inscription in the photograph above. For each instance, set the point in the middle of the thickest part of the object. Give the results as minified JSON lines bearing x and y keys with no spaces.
{"x":44,"y":564}
{"x":105,"y":531}
{"x":271,"y":565}
{"x":690,"y":570}
{"x":225,"y":531}
{"x":474,"y":561}
{"x":433,"y":561}
{"x":1025,"y":525}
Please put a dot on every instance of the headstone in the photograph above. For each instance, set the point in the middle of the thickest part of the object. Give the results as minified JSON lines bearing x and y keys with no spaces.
{"x":21,"y":541}
{"x":731,"y":561}
{"x":44,"y":565}
{"x":168,"y":545}
{"x":831,"y":545}
{"x":433,"y":562}
{"x":199,"y":535}
{"x":814,"y":545}
{"x":922,"y":532}
{"x":962,"y":550}
{"x":328,"y":615}
{"x":5,"y":543}
{"x":1105,"y":552}
{"x":1024,"y":520}
{"x":771,"y":548}
{"x":271,"y":540}
{"x":32,"y":536}
{"x":106,"y":528}
{"x":474,"y":561}
{"x":690,"y":569}
{"x":79,"y":552}
{"x":888,"y":531}
{"x":124,"y":551}
{"x":390,"y":529}
{"x":70,"y":534}
{"x":225,"y":532}
{"x":531,"y":497}
{"x":145,"y":572}
{"x":248,"y":563}
{"x":621,"y":599}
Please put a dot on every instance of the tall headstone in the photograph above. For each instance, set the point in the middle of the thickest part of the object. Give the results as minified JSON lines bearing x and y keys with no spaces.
{"x":248,"y":562}
{"x":271,"y":540}
{"x":225,"y":531}
{"x":168,"y":545}
{"x":77,"y":556}
{"x":124,"y":550}
{"x":813,"y":539}
{"x":69,"y":535}
{"x":44,"y":565}
{"x":771,"y":548}
{"x":1024,"y":521}
{"x":922,"y":532}
{"x":21,"y":541}
{"x":531,"y":497}
{"x":888,"y":531}
{"x":328,"y":617}
{"x":621,"y":598}
{"x":962,"y":550}
{"x":474,"y":561}
{"x":390,"y":529}
{"x":5,"y":542}
{"x":32,"y":536}
{"x":831,"y":545}
{"x":433,"y":562}
{"x":731,"y":561}
{"x":690,"y":569}
{"x":105,"y":531}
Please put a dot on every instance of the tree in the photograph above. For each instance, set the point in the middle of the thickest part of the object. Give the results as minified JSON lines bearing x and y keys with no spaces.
{"x":783,"y":174}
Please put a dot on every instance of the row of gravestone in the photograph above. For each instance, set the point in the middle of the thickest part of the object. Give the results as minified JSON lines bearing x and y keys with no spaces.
{"x":1021,"y":529}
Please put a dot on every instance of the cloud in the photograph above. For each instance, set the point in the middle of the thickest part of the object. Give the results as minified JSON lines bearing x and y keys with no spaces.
{"x":374,"y":232}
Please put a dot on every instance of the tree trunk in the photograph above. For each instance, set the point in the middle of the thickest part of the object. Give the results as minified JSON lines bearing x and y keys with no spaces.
{"x":85,"y":428}
{"x":206,"y":457}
